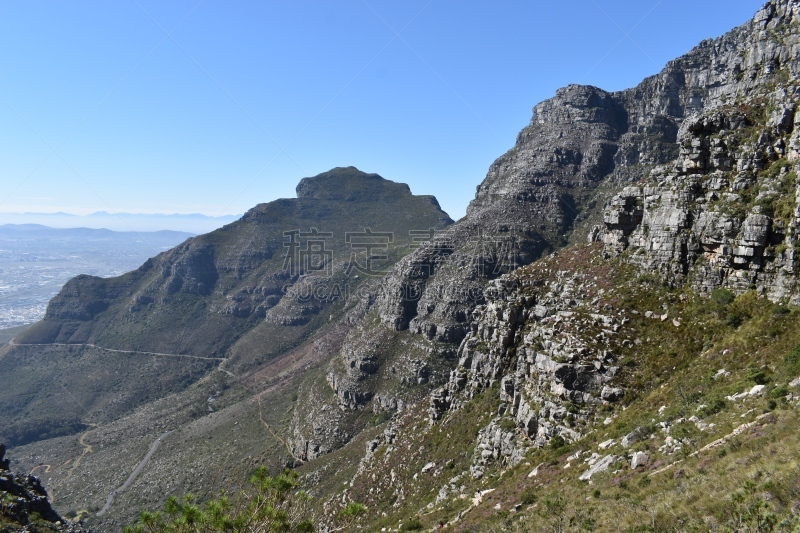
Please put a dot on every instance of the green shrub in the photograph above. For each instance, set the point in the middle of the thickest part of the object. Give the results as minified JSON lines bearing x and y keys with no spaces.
{"x":507,"y":424}
{"x":734,"y":320}
{"x":712,"y":407}
{"x":528,"y":497}
{"x":771,"y":404}
{"x":780,"y":310}
{"x":722,"y":298}
{"x":557,"y":442}
{"x":792,"y":360}
{"x":779,"y":392}
{"x":270,"y":504}
{"x":412,"y":525}
{"x":756,"y":375}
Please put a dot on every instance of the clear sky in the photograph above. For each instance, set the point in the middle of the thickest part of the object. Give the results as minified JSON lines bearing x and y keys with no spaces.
{"x":213,"y":106}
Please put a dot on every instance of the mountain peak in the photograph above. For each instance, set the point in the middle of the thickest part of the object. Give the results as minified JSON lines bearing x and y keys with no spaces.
{"x":350,"y":184}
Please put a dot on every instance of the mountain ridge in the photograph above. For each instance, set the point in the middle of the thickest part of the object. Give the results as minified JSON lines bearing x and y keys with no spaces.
{"x":508,"y":341}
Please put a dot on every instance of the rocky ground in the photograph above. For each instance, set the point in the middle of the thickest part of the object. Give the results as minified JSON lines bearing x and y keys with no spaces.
{"x":24,"y":505}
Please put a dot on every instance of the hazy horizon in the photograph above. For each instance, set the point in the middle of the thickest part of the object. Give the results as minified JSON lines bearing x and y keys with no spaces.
{"x":195,"y":223}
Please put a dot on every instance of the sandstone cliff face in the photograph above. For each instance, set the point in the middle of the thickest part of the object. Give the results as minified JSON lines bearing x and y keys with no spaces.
{"x":711,"y":142}
{"x":528,"y":201}
{"x":536,"y":193}
{"x":723,"y":211}
{"x":724,"y":214}
{"x":703,"y":154}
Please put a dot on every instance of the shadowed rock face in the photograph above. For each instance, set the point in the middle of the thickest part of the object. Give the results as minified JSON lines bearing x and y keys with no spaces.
{"x":24,"y":496}
{"x":584,"y":142}
{"x":580,"y":139}
{"x":568,"y":144}
{"x":528,"y":201}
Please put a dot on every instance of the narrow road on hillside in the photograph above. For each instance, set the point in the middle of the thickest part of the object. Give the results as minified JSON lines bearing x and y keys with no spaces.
{"x":222,"y":360}
{"x":133,"y":475}
{"x":90,"y":345}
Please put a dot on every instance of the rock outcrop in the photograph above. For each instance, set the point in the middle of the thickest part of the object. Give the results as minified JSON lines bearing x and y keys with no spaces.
{"x":715,"y":128}
{"x":548,"y":348}
{"x":24,"y":505}
{"x":724,"y":214}
{"x":708,"y":142}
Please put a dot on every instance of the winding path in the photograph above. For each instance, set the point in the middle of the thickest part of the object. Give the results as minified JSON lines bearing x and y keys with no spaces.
{"x":133,"y":475}
{"x":45,"y":466}
{"x":222,"y":360}
{"x":90,"y":345}
{"x":87,"y":449}
{"x":276,"y":437}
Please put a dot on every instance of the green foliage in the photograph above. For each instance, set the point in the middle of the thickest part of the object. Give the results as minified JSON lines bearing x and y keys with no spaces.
{"x":750,"y":512}
{"x":722,"y":298}
{"x":732,"y":311}
{"x":712,"y":407}
{"x":557,"y":442}
{"x":347,"y":517}
{"x":353,"y":510}
{"x":507,"y":424}
{"x":528,"y":497}
{"x":756,"y":375}
{"x":381,"y":417}
{"x":780,"y":310}
{"x":792,"y":360}
{"x":779,"y":391}
{"x":412,"y":525}
{"x":271,"y":504}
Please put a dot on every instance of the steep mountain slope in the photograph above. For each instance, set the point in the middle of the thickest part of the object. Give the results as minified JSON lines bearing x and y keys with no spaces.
{"x":581,"y":148}
{"x":703,"y":158}
{"x":591,"y":396}
{"x":485,"y":382}
{"x":229,"y":300}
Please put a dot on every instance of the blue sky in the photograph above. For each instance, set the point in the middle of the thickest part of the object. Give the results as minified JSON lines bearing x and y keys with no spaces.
{"x":213,"y":107}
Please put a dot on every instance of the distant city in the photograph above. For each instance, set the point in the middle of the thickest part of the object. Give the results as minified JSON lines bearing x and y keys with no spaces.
{"x":36,"y":261}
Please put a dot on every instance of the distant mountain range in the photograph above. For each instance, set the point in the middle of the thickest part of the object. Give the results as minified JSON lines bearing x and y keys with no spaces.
{"x":129,"y":222}
{"x":25,"y":231}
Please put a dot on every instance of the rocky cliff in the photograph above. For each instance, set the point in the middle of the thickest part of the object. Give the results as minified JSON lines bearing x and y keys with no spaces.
{"x":24,"y":505}
{"x":692,"y":176}
{"x":711,"y":134}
